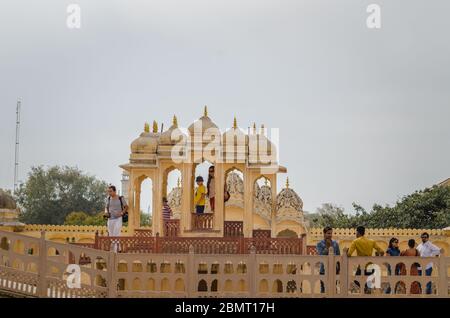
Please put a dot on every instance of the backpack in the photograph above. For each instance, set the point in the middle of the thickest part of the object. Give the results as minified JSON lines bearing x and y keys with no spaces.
{"x":125,"y":216}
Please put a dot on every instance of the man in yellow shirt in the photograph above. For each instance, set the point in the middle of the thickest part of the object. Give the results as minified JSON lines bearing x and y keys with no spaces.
{"x":363,"y":245}
{"x":200,"y":195}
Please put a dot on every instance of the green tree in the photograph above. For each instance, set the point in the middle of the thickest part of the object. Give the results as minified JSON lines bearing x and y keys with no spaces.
{"x":427,"y":209}
{"x":146,"y":219}
{"x":82,"y":218}
{"x":49,"y":195}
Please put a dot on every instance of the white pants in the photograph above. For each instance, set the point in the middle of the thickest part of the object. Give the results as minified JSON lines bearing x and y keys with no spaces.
{"x":114,"y":229}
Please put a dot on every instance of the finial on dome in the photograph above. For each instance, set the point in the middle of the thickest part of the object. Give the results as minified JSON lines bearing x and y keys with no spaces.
{"x":235,"y":123}
{"x":146,"y":127}
{"x":175,"y":121}
{"x":155,"y":127}
{"x":254,"y":128}
{"x":205,"y":111}
{"x":287,"y":183}
{"x":262,"y":130}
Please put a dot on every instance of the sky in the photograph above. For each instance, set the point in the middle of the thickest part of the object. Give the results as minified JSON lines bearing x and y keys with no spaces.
{"x":363,"y":114}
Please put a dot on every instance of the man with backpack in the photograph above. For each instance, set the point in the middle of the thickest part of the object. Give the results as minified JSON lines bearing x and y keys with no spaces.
{"x":115,"y":211}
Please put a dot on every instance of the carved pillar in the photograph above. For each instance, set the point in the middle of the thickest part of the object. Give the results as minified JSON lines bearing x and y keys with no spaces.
{"x":186,"y":206}
{"x":219,"y":213}
{"x":248,"y":202}
{"x":273,"y":188}
{"x":131,"y":204}
{"x":137,"y":203}
{"x":157,"y":202}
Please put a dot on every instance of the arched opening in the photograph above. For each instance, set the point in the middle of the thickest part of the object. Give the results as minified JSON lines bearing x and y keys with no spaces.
{"x":264,"y":268}
{"x":214,"y":285}
{"x":179,"y":285}
{"x":202,"y":216}
{"x":262,"y":204}
{"x":202,"y":268}
{"x":151,"y":267}
{"x":291,"y":269}
{"x":4,"y":243}
{"x":263,"y":286}
{"x":165,"y":285}
{"x":228,"y":285}
{"x":179,"y":267}
{"x":122,"y":266}
{"x":241,"y":268}
{"x":172,"y":191}
{"x":201,"y":170}
{"x":400,"y":288}
{"x":151,"y":284}
{"x":277,"y":286}
{"x":415,"y":288}
{"x":229,"y":268}
{"x":215,"y":268}
{"x":291,"y":286}
{"x":145,"y":201}
{"x":137,"y":266}
{"x":306,"y":287}
{"x":242,"y":286}
{"x":100,"y":281}
{"x":121,"y":284}
{"x":287,"y":233}
{"x":85,"y":279}
{"x":234,"y":195}
{"x":277,"y":269}
{"x":165,"y":267}
{"x":202,"y":286}
{"x":319,"y":287}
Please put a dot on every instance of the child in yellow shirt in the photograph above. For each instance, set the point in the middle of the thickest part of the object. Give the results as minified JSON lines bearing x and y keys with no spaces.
{"x":200,"y":195}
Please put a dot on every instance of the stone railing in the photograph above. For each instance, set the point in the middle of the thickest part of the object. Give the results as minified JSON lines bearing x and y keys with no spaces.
{"x":202,"y":222}
{"x":233,"y":228}
{"x":36,"y":267}
{"x":171,"y":227}
{"x":202,"y":245}
{"x":69,"y":228}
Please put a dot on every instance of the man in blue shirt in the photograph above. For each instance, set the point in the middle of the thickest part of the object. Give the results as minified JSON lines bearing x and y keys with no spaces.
{"x":323,"y":248}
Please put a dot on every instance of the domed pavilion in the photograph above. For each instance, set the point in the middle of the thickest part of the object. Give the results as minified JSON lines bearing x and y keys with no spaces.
{"x":246,"y":169}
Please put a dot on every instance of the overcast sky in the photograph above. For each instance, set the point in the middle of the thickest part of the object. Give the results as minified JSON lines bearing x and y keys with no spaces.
{"x":363,"y":114}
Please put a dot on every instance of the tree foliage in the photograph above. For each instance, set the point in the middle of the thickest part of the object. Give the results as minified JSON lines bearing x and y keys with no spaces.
{"x":82,"y":218}
{"x":49,"y":195}
{"x":428,"y":208}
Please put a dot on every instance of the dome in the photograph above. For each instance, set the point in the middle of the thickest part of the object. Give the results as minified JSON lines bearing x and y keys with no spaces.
{"x":289,"y":199}
{"x":6,"y":201}
{"x":234,"y":136}
{"x":258,"y":139}
{"x":204,"y":122}
{"x":173,"y":135}
{"x":147,"y":142}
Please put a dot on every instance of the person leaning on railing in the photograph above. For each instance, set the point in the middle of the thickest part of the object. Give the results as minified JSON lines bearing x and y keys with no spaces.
{"x":428,"y":249}
{"x":323,"y":248}
{"x":363,"y":247}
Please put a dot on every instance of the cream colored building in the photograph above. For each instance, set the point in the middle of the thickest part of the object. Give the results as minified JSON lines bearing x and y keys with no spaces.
{"x":239,"y":168}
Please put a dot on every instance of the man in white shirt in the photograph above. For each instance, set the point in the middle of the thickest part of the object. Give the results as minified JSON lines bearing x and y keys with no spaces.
{"x":428,"y":249}
{"x":116,"y":208}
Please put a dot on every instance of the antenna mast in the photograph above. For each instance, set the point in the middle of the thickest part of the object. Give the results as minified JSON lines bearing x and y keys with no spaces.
{"x":16,"y":155}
